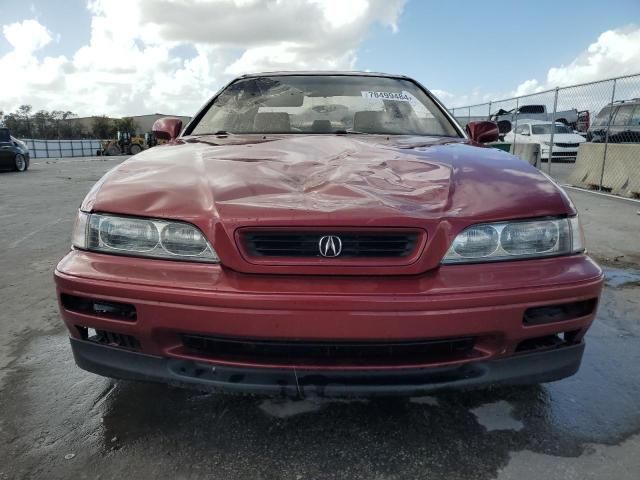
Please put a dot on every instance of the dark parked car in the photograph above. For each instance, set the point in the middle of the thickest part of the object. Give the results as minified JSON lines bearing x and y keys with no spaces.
{"x":271,"y":247}
{"x":625,"y":123}
{"x":14,"y":154}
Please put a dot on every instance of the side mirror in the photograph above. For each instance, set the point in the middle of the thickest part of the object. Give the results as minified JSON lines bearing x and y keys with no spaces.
{"x":167,"y":128}
{"x":504,"y":126}
{"x":525,"y":133}
{"x":483,"y":132}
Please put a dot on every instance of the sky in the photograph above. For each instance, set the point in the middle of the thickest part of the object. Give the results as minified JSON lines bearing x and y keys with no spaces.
{"x":131,"y":57}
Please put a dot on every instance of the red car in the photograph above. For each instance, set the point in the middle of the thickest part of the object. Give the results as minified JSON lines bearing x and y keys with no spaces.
{"x":330,"y":234}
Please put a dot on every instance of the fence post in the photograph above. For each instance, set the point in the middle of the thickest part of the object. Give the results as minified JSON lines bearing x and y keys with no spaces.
{"x":489,"y":116}
{"x":514,"y":126}
{"x":469,"y":114}
{"x":46,"y":147}
{"x":553,"y":130}
{"x":606,"y":136}
{"x":72,"y":152}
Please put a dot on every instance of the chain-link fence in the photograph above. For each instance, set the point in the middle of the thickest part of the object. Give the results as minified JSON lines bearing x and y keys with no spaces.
{"x":589,"y":134}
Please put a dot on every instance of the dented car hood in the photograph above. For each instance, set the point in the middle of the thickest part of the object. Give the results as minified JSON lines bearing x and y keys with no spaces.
{"x":326,"y":180}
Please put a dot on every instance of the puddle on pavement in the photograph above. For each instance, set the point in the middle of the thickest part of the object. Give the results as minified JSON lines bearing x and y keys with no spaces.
{"x":426,"y":400}
{"x":52,"y":409}
{"x":620,"y":277}
{"x":285,"y":408}
{"x":497,"y":416}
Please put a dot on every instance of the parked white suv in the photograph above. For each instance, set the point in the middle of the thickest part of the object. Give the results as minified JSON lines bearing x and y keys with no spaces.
{"x":565,"y":142}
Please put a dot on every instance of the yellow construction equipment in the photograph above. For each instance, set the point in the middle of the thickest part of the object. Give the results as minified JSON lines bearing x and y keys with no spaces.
{"x":125,"y":144}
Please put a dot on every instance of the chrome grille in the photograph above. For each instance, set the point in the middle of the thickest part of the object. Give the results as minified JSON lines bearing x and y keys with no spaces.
{"x":307,"y":244}
{"x":567,"y":145}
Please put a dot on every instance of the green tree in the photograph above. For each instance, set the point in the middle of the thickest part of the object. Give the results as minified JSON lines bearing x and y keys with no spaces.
{"x":126,"y":124}
{"x":13,"y":123}
{"x":43,"y":125}
{"x":19,"y":122}
{"x":67,"y":128}
{"x":102,"y":127}
{"x":24,"y":113}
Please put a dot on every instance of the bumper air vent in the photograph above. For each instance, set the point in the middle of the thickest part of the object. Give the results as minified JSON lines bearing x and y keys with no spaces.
{"x":329,"y":353}
{"x":559,"y":313}
{"x":99,"y":308}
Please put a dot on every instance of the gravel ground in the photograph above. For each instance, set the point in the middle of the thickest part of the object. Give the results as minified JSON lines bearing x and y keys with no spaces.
{"x":57,"y":421}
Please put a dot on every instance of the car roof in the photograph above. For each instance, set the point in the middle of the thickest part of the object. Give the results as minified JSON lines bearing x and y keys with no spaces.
{"x":630,"y":101}
{"x":537,"y":122}
{"x":354,"y":73}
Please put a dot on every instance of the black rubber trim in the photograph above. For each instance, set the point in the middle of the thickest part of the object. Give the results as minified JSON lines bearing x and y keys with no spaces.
{"x":529,"y":368}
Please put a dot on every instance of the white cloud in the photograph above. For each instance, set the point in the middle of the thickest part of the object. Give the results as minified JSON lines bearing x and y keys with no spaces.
{"x":340,"y":13}
{"x":528,"y":86}
{"x":27,"y":36}
{"x":128,"y":65}
{"x":614,"y":53}
{"x":473,"y":97}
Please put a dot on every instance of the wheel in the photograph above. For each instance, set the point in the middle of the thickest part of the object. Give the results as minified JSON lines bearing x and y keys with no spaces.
{"x":135,"y":148}
{"x":113,"y":150}
{"x":20,"y":163}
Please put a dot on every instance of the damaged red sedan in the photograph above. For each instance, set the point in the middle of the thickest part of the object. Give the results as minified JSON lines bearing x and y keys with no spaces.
{"x":327,"y":234}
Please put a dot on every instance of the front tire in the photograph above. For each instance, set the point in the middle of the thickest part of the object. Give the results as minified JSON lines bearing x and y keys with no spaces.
{"x":135,"y":149}
{"x":20,"y":163}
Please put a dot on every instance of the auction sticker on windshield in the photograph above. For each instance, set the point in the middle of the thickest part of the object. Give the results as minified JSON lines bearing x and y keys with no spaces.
{"x":401,"y":97}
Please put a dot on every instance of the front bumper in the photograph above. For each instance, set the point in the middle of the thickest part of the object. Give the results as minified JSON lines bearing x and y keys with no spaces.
{"x":517,"y":370}
{"x":486,"y":302}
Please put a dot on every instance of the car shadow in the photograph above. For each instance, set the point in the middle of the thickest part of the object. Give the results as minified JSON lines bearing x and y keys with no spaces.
{"x":471,"y":433}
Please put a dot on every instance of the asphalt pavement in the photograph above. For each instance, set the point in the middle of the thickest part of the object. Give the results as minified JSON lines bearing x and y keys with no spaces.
{"x":59,"y":422}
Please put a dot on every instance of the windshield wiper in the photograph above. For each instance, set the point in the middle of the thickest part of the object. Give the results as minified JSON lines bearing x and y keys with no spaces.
{"x":218,"y":132}
{"x":348,"y":132}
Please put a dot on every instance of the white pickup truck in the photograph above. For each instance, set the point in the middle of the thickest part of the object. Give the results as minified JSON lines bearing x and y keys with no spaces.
{"x":572,"y":118}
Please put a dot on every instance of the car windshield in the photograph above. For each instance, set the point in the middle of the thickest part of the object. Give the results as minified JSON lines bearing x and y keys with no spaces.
{"x":324,"y":104}
{"x":545,"y":129}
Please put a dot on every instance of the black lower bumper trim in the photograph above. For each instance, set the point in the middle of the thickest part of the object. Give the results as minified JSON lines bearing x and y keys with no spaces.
{"x":536,"y":367}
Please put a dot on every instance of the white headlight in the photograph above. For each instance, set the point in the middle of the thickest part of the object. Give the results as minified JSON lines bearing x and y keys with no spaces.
{"x":142,"y":237}
{"x":128,"y":234}
{"x":524,"y":238}
{"x":183,"y":239}
{"x":476,"y":242}
{"x":518,"y":239}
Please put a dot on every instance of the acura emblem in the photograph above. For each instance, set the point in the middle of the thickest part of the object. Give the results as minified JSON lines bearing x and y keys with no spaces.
{"x":330,"y":246}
